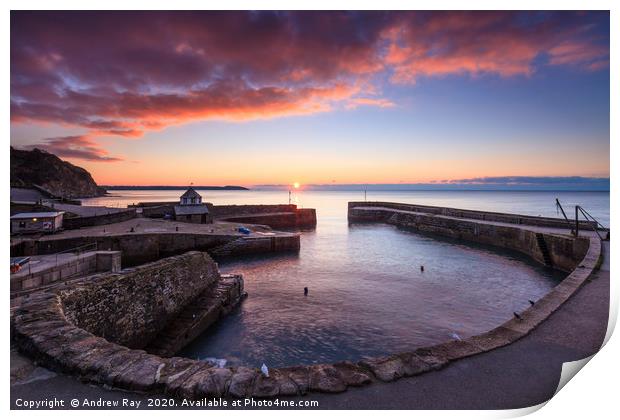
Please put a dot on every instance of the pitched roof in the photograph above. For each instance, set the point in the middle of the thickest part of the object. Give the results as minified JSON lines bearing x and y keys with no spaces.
{"x":38,"y":214}
{"x":190,"y":193}
{"x":191,"y":209}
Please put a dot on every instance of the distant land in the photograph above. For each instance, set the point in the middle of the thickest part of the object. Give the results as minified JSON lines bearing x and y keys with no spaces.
{"x":507,"y":183}
{"x":171,"y":187}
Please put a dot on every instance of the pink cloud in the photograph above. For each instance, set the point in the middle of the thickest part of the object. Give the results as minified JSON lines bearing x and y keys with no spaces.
{"x":476,"y":43}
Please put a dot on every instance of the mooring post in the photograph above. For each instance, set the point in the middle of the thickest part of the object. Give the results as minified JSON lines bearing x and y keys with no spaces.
{"x":576,"y":220}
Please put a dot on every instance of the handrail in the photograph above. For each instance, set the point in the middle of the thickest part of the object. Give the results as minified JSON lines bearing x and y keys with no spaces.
{"x":586,"y":214}
{"x":559,"y":206}
{"x":77,"y":248}
{"x":593,"y":219}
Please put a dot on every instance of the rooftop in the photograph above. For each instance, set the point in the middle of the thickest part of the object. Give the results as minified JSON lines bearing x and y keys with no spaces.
{"x":37,"y":215}
{"x":191,"y":209}
{"x":190,"y":193}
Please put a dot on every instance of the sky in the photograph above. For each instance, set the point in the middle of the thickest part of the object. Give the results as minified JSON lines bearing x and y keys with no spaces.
{"x":252,"y":98}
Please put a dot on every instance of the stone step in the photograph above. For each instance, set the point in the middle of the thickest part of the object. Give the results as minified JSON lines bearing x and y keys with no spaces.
{"x":542,"y":245}
{"x":198,"y":316}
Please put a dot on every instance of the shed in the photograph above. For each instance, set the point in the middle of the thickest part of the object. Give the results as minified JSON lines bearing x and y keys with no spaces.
{"x":37,"y":222}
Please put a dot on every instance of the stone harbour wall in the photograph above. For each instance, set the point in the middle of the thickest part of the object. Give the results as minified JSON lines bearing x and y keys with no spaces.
{"x":260,"y":245}
{"x":298,"y":219}
{"x":47,"y":326}
{"x":84,"y":264}
{"x":136,"y":248}
{"x":130,"y":308}
{"x":221,"y":211}
{"x":98,"y":220}
{"x":140,"y":248}
{"x":277,"y":216}
{"x":565,"y":251}
{"x":489,"y":216}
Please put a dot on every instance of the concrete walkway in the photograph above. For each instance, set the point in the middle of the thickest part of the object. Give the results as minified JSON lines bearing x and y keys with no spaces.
{"x":522,"y":374}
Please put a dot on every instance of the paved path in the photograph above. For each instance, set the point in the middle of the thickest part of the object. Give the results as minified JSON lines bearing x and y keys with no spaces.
{"x":522,"y":374}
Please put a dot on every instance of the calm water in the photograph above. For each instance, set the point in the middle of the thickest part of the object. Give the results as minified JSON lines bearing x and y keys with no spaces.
{"x":367,"y":294}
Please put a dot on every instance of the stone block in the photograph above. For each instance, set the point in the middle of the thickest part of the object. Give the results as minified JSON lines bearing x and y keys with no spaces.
{"x":141,"y":374}
{"x":497,"y":337}
{"x":242,"y":382}
{"x":434,"y":360}
{"x":265,"y":387}
{"x":325,"y":378}
{"x":189,"y":387}
{"x":456,"y":349}
{"x":176,"y":372}
{"x":300,"y":375}
{"x":386,"y":369}
{"x":353,"y":374}
{"x":215,"y":383}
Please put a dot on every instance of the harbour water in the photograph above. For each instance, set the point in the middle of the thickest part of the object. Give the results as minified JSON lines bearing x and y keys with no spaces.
{"x":367,"y":294}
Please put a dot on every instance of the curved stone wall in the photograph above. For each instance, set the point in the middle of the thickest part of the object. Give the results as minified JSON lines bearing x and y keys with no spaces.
{"x":565,"y":250}
{"x":130,"y":308}
{"x":47,"y":326}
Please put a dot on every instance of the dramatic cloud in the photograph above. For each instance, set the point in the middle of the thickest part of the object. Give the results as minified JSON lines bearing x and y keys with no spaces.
{"x":79,"y":147}
{"x":502,"y":43}
{"x":125,"y":73}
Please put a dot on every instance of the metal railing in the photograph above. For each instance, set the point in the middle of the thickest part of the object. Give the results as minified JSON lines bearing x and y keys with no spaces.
{"x":574,"y":227}
{"x":558,"y":206}
{"x":597,"y":225}
{"x":77,"y":250}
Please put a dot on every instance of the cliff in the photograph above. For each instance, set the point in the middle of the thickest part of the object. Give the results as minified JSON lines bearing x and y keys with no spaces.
{"x":60,"y":178}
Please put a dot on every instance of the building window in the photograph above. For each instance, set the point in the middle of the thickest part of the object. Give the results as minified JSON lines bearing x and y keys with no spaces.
{"x":22,"y":224}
